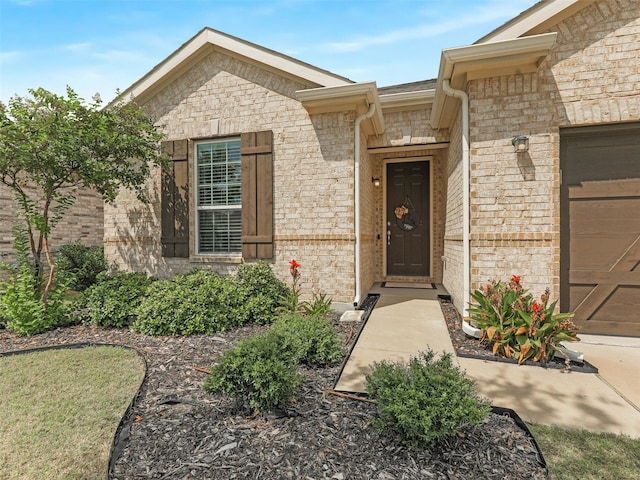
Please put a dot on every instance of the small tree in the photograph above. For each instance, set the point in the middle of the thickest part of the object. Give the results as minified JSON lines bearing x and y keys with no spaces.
{"x":50,"y":145}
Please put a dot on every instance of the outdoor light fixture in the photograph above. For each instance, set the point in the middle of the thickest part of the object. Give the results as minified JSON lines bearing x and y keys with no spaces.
{"x":520,"y":144}
{"x":375,"y":181}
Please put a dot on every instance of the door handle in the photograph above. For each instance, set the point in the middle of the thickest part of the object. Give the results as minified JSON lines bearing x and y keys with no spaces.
{"x":388,"y":237}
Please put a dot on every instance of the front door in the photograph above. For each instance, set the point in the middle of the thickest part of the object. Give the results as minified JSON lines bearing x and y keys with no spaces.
{"x":408,"y":219}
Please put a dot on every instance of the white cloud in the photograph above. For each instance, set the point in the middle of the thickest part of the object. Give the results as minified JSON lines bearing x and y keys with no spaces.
{"x":78,"y":47}
{"x":454,"y":23}
{"x":7,"y":57}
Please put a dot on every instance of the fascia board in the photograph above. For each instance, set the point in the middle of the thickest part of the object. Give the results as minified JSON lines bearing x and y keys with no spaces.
{"x":458,"y":65}
{"x":536,"y":20}
{"x":274,"y":60}
{"x":208,"y":40}
{"x":420,"y":98}
{"x":328,"y":94}
{"x":356,"y":96}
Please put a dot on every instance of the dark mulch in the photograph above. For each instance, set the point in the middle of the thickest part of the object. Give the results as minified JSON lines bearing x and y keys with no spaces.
{"x":177,"y":431}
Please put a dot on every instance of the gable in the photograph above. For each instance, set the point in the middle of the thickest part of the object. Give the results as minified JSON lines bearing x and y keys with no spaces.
{"x":550,"y":31}
{"x":207,"y":41}
{"x":535,"y":20}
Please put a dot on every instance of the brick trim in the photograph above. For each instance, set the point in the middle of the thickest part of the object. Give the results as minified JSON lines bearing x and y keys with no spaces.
{"x":338,"y":239}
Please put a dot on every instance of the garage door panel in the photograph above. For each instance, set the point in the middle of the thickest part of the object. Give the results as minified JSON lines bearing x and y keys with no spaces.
{"x":579,"y":294}
{"x":600,"y":227}
{"x":622,"y":304}
{"x":618,"y":316}
{"x":597,"y":252}
{"x":606,"y":189}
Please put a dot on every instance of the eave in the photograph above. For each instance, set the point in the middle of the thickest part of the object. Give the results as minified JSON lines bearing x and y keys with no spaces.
{"x":356,"y":96}
{"x":507,"y":57}
{"x":407,"y":100}
{"x":537,"y":19}
{"x":209,"y":40}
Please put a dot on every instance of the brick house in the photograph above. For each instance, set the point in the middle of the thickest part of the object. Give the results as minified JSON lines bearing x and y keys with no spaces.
{"x":276,"y":159}
{"x":83,"y":222}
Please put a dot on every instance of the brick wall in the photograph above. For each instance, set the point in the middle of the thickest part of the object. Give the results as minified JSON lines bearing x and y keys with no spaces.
{"x":591,"y":76}
{"x":453,"y":274}
{"x":313,"y":174}
{"x":83,"y":222}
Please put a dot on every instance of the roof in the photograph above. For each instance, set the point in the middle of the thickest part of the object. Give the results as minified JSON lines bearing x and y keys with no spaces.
{"x":409,"y":87}
{"x":536,"y":19}
{"x":208,"y":40}
{"x":518,"y":46}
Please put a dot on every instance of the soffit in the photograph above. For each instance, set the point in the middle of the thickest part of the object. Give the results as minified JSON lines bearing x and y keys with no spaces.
{"x":407,"y":100}
{"x":209,"y":40}
{"x":356,"y":96}
{"x":507,"y":57}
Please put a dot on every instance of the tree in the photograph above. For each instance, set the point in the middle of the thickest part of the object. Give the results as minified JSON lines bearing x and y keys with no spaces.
{"x":51,"y":145}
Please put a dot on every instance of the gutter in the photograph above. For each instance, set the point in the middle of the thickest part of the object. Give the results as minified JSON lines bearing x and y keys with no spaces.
{"x":356,"y":187}
{"x":466,"y":268}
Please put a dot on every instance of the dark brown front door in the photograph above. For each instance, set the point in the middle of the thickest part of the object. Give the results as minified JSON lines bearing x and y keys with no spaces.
{"x":408,"y":219}
{"x":600,"y":227}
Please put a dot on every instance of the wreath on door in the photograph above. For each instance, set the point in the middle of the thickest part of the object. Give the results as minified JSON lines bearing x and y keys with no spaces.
{"x":406,"y":216}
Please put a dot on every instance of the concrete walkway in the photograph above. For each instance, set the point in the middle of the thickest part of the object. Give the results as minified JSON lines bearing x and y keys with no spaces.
{"x":407,"y":321}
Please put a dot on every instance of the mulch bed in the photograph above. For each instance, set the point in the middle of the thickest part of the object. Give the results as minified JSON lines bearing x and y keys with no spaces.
{"x":466,"y":346}
{"x":177,"y":431}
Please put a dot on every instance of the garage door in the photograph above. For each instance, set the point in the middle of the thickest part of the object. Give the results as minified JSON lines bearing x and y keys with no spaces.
{"x":600,"y":228}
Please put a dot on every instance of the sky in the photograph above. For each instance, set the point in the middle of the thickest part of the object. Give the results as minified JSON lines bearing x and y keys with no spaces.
{"x":99,"y":46}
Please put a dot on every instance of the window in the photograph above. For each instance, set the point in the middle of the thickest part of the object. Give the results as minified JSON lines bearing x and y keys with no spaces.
{"x":218,"y":197}
{"x":232,"y":190}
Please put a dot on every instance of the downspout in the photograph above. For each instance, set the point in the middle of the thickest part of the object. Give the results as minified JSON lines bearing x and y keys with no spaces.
{"x":466,"y":263}
{"x":356,"y":187}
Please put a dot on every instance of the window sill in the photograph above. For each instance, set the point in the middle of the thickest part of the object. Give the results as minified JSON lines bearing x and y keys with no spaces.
{"x":233,"y":259}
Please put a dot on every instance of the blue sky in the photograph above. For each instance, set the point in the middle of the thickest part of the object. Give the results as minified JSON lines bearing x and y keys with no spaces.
{"x":101,"y":45}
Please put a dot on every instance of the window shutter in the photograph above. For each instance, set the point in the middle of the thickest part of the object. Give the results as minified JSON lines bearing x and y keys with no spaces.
{"x":175,"y":200}
{"x":256,"y":151}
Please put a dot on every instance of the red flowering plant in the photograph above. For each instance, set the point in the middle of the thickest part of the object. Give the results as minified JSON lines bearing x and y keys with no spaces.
{"x":290,"y":302}
{"x":517,"y":326}
{"x":295,"y":274}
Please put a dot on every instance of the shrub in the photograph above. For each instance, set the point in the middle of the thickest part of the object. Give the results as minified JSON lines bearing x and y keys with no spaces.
{"x":320,"y":306}
{"x":81,"y":263}
{"x":112,"y":300}
{"x":262,"y":291}
{"x":311,"y":340}
{"x":258,"y":373}
{"x":518,"y":327}
{"x":198,"y":302}
{"x":21,"y":305}
{"x":425,"y":400}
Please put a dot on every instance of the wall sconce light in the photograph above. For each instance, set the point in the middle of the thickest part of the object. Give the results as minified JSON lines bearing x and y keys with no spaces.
{"x":375,"y":181}
{"x":520,"y":144}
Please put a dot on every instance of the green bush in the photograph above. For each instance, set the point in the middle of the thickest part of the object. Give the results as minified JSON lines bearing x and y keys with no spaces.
{"x":262,"y":291}
{"x":81,"y":263}
{"x":258,"y":373}
{"x":311,"y":340}
{"x":198,"y":302}
{"x":22,"y":309}
{"x":112,"y":300}
{"x":425,"y":400}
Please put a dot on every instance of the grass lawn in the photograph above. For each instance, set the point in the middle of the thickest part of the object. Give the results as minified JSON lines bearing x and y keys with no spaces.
{"x":60,"y":410}
{"x":583,"y":455}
